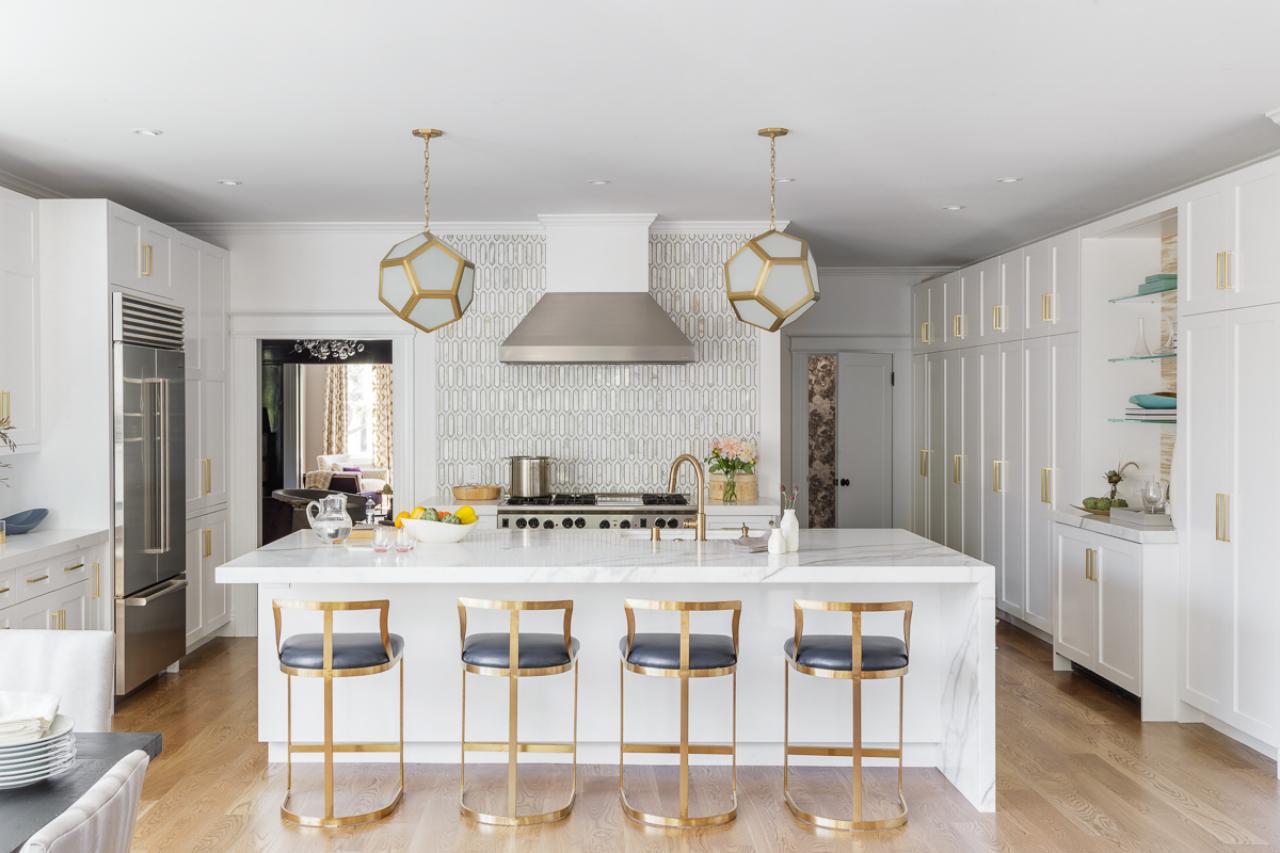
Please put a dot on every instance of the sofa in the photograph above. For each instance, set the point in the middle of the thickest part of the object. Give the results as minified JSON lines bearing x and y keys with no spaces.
{"x":338,"y":472}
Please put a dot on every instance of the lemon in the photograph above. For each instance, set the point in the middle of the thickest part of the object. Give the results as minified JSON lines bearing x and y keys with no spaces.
{"x":418,"y":512}
{"x":400,"y":517}
{"x":465,"y":514}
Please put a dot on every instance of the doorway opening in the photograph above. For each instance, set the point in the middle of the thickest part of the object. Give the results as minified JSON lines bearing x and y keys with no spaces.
{"x":326,"y":428}
{"x":843,"y":437}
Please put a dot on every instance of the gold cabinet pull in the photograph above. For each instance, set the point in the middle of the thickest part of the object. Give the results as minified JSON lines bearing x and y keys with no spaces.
{"x":77,"y":567}
{"x":97,"y":579}
{"x":1222,"y":517}
{"x":1046,"y":307}
{"x":924,"y":462}
{"x":1046,"y":485}
{"x":148,"y":259}
{"x":924,"y":331}
{"x":1217,"y":271}
{"x":40,"y":579}
{"x":1226,"y":271}
{"x":3,"y":590}
{"x":997,"y":476}
{"x":6,"y":412}
{"x":958,"y":325}
{"x":997,"y":318}
{"x":208,"y":543}
{"x":955,"y":468}
{"x":1091,"y":564}
{"x":206,"y":474}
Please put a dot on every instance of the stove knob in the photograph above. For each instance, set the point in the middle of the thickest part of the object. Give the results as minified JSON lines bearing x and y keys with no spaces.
{"x":661,"y":522}
{"x":533,"y":524}
{"x":521,"y":523}
{"x":580,"y":522}
{"x":624,"y":524}
{"x":568,"y":522}
{"x":671,"y":522}
{"x":548,"y":524}
{"x":604,"y":525}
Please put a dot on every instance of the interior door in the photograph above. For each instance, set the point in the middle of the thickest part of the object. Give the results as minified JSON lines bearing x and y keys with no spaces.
{"x":864,"y":440}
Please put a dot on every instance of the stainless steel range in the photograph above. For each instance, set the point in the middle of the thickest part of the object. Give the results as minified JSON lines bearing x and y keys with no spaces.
{"x":595,"y":511}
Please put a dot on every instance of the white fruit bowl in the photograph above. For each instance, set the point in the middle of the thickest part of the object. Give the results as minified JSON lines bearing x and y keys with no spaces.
{"x":436,"y":532}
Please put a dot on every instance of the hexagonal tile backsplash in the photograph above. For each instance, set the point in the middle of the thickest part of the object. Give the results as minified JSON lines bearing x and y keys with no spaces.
{"x":608,"y":427}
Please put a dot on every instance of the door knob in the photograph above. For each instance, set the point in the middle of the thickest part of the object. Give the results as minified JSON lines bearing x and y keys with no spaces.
{"x":844,"y":481}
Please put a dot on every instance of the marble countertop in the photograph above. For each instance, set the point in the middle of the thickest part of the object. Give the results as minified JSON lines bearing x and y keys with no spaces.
{"x":41,"y":544}
{"x":1099,"y":524}
{"x":507,"y":557}
{"x":760,"y":508}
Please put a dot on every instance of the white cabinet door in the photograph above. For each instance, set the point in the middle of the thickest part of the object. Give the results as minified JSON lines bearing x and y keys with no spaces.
{"x":1075,"y":632}
{"x":124,"y":247}
{"x":194,"y":391}
{"x":974,"y":475}
{"x":920,"y":315}
{"x":920,"y":435}
{"x":966,"y":325}
{"x":212,"y":311}
{"x":953,"y":451}
{"x":951,"y":289}
{"x":1003,"y":302}
{"x":937,"y":464}
{"x":213,"y":595}
{"x":156,"y":276}
{"x":1250,"y":520}
{"x":1052,"y":278}
{"x":19,"y":317}
{"x":1204,"y":355}
{"x":1064,"y":365}
{"x":68,"y":608}
{"x":213,"y":441}
{"x":1232,"y":257}
{"x":1117,"y":572}
{"x":185,"y":273}
{"x":195,"y":576}
{"x":1004,"y":513}
{"x":1204,"y":230}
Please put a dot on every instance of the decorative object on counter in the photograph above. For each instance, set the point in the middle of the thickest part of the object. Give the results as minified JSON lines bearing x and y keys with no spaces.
{"x":6,"y":440}
{"x":22,"y":522}
{"x":338,"y":348}
{"x":474,"y":492}
{"x":1140,"y":347}
{"x":1142,"y":520}
{"x":790,"y":525}
{"x":732,"y":464}
{"x":422,"y":280}
{"x":773,"y":279}
{"x":384,"y":537}
{"x":329,"y":519}
{"x":404,"y":541}
{"x":437,"y":532}
{"x":530,"y":476}
{"x":1115,"y":477}
{"x":1154,"y":494}
{"x":33,"y":759}
{"x":1158,"y":400}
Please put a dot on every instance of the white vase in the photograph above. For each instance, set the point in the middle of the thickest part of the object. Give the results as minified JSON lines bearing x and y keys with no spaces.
{"x":790,"y":528}
{"x":777,"y":541}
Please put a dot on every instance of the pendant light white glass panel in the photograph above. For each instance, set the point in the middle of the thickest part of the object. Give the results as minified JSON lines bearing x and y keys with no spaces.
{"x":754,"y":313}
{"x":406,"y":247}
{"x":432,"y":313}
{"x":395,"y":289}
{"x":813,"y":274}
{"x":786,"y":286}
{"x":435,"y":268}
{"x":466,"y":288}
{"x":743,"y":271}
{"x":798,"y":313}
{"x":779,"y":245}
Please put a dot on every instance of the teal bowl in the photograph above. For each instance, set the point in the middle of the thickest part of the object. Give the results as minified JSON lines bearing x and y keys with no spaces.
{"x":1154,"y":401}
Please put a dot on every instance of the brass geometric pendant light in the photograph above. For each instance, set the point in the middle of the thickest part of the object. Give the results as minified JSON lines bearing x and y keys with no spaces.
{"x":422,"y":280}
{"x":773,"y":278}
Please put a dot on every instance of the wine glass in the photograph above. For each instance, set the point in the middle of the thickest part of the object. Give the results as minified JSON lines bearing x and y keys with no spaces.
{"x":1153,"y":495}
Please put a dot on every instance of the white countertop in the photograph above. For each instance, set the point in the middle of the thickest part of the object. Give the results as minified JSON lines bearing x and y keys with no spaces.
{"x":1100,"y":524}
{"x":825,"y":556}
{"x":760,"y":508}
{"x":40,"y":544}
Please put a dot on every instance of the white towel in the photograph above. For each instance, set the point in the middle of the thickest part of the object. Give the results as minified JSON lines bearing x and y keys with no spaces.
{"x":25,"y":717}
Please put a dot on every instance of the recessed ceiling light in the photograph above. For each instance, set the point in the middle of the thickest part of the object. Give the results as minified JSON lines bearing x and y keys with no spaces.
{"x":1008,"y":180}
{"x":599,"y":182}
{"x":786,"y":180}
{"x":953,"y":207}
{"x":147,"y":131}
{"x":229,"y":182}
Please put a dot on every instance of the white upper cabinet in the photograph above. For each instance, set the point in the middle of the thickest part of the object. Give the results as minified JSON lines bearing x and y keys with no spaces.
{"x":964,"y":326}
{"x":1232,"y":241}
{"x":19,"y":318}
{"x":1051,"y":271}
{"x":920,"y":295}
{"x":138,"y":253}
{"x":212,"y":311}
{"x":1003,"y":316}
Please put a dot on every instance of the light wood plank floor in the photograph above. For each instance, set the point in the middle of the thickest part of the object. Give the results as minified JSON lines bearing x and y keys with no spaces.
{"x":1077,"y":772}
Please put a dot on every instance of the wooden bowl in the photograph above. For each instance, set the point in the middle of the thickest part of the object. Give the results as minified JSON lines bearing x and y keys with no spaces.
{"x":476,"y":493}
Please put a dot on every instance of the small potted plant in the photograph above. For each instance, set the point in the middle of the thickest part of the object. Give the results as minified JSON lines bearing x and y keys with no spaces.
{"x":7,"y":442}
{"x":732,"y":464}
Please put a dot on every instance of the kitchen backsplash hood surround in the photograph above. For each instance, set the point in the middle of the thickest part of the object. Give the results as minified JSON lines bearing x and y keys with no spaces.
{"x":597,"y":308}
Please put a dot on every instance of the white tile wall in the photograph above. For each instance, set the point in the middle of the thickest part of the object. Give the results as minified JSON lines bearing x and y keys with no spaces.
{"x":608,"y":426}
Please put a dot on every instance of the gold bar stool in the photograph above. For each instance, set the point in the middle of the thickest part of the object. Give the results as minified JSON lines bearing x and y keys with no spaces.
{"x":683,"y":656}
{"x":855,"y":657}
{"x":535,"y":655}
{"x":329,"y":656}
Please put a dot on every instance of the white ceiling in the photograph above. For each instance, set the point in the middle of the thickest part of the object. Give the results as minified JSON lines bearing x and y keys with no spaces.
{"x":897,"y":108}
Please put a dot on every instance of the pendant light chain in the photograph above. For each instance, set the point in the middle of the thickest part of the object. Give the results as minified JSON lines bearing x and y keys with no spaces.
{"x":773,"y":183}
{"x":426,"y":183}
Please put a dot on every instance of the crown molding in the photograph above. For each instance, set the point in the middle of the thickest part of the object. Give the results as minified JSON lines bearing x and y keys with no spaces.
{"x":715,"y":226}
{"x":19,"y":184}
{"x":397,"y":228}
{"x":597,"y":218}
{"x":883,"y":272}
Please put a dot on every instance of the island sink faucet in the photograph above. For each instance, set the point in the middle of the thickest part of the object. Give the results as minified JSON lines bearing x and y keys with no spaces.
{"x":700,"y":520}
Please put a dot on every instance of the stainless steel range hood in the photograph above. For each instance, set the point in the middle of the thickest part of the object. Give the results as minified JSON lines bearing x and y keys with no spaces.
{"x":597,"y":308}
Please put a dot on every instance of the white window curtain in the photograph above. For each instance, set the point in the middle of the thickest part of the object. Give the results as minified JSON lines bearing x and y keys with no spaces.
{"x":335,"y":408}
{"x":383,"y":411}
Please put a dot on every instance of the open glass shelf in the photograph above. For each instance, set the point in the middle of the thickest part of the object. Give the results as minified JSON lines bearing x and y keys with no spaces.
{"x":1169,"y":422}
{"x":1144,"y":357}
{"x":1144,"y":297}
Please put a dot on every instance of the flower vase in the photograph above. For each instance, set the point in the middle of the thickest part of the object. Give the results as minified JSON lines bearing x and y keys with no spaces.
{"x":729,"y":494}
{"x":790,"y":527}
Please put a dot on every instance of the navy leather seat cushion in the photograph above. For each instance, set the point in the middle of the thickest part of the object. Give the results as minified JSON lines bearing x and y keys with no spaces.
{"x":662,"y":651}
{"x":350,"y":651}
{"x":835,"y":651}
{"x":536,"y":650}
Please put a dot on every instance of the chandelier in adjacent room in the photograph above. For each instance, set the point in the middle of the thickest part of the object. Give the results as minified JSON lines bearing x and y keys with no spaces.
{"x":423,"y":281}
{"x":336,"y":348}
{"x":772,"y":279}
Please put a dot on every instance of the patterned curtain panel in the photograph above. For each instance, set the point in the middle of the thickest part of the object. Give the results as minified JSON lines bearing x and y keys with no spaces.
{"x":335,"y":408}
{"x":382,"y":417}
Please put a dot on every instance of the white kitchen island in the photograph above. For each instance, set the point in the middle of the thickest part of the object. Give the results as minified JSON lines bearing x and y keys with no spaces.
{"x":950,"y":690}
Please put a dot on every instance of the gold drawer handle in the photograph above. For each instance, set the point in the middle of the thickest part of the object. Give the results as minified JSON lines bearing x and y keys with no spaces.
{"x":924,"y":463}
{"x":148,"y":259}
{"x":997,"y":318}
{"x":40,"y":579}
{"x":1046,"y":307}
{"x":924,"y":332}
{"x":77,"y":567}
{"x":1222,"y":517}
{"x":1091,"y":564}
{"x":1222,"y":271}
{"x":97,"y":579}
{"x":959,"y":326}
{"x":997,"y":476}
{"x":955,"y":468}
{"x":3,"y":590}
{"x":206,"y":467}
{"x":1046,"y":488}
{"x":208,"y":543}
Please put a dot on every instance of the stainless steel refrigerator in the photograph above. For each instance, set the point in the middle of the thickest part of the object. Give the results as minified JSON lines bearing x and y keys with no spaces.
{"x":149,"y":417}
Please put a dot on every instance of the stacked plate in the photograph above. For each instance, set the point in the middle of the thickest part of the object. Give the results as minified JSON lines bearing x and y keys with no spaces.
{"x":27,"y":763}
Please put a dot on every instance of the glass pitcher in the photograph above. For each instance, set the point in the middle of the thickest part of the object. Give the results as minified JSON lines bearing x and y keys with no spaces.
{"x":329,"y":519}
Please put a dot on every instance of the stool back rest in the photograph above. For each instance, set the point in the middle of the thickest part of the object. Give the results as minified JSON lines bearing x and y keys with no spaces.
{"x":516,"y":608}
{"x":855,"y":609}
{"x":328,"y":608}
{"x":684,"y":608}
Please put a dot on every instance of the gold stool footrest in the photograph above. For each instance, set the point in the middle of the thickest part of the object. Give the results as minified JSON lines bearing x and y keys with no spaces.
{"x":519,"y":820}
{"x":502,"y":746}
{"x":674,"y":748}
{"x":844,"y":751}
{"x":297,"y":748}
{"x":677,"y":822}
{"x":892,"y":822}
{"x":340,"y":820}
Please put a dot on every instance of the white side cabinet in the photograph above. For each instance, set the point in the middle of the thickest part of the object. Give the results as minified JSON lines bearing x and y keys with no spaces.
{"x":20,"y":318}
{"x":56,"y":593}
{"x":1114,"y":615}
{"x":208,"y":606}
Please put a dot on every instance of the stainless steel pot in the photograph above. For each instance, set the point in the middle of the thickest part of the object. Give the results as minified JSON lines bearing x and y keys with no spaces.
{"x":530,"y":476}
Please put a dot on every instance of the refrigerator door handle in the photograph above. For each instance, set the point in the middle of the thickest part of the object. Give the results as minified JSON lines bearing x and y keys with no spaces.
{"x":169,"y":588}
{"x":150,"y":492}
{"x":162,"y":412}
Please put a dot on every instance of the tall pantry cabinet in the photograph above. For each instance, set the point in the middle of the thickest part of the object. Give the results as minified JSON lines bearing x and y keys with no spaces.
{"x":1000,"y":448}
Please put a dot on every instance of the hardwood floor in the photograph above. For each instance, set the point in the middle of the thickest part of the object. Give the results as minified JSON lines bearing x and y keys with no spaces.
{"x":1076,"y":772}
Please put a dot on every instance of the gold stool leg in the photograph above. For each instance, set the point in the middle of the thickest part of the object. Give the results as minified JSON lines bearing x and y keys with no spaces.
{"x":857,"y":750}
